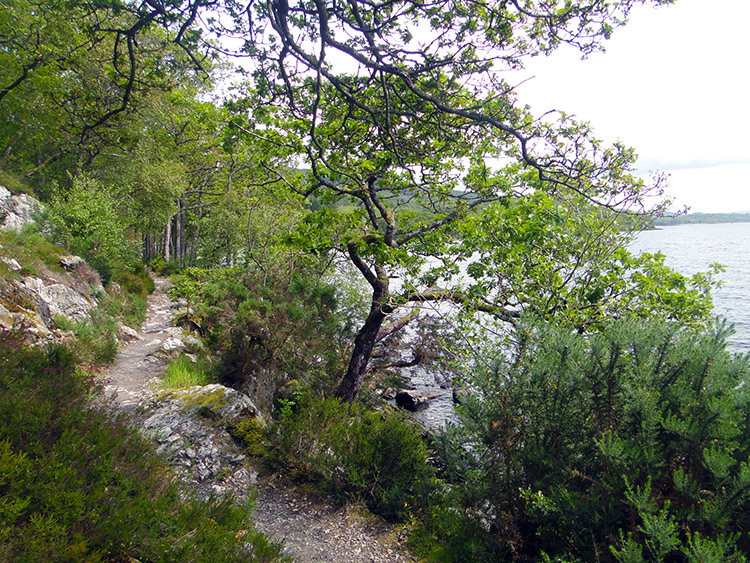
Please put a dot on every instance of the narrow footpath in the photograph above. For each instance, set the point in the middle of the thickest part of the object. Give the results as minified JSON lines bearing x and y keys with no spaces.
{"x":311,"y":530}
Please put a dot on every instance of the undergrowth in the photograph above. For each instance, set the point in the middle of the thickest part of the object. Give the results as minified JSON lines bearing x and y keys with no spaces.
{"x":76,"y":485}
{"x":379,"y":458}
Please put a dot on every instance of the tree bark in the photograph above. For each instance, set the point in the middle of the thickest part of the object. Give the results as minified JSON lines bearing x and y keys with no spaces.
{"x":167,"y":239}
{"x":368,"y":334}
{"x":361,"y":354}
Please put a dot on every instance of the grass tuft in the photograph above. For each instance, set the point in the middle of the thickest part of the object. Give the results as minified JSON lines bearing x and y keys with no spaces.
{"x":184,"y":372}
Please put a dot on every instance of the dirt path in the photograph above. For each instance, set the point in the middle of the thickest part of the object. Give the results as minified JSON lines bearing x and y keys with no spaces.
{"x":312,"y":530}
{"x":133,"y":370}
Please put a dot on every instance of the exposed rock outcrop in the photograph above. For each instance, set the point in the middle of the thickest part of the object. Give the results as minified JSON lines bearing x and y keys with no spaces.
{"x":411,"y":400}
{"x":188,"y":425}
{"x":33,"y":293}
{"x":16,"y":210}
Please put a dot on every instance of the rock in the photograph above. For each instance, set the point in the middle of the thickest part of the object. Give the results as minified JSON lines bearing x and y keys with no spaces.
{"x":200,"y":450}
{"x":11,"y":263}
{"x":34,"y":285}
{"x":460,"y":394}
{"x":127,"y":334}
{"x":63,"y":300}
{"x":57,"y":299}
{"x":71,"y":262}
{"x":16,"y":211}
{"x":225,"y":403}
{"x":411,"y":400}
{"x":7,"y":319}
{"x":31,"y":322}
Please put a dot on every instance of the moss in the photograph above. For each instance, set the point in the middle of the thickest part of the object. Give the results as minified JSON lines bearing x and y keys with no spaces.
{"x":194,"y":398}
{"x":249,"y":433}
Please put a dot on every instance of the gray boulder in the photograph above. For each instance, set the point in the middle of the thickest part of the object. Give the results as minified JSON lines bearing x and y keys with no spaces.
{"x":63,"y":300}
{"x":16,"y":210}
{"x":70,"y":262}
{"x":411,"y":400}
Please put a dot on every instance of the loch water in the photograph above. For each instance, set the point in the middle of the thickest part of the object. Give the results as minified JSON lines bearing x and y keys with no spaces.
{"x":688,"y":249}
{"x":692,"y":248}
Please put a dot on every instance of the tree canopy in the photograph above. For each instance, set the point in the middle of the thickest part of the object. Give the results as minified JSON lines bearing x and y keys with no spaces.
{"x":384,"y":131}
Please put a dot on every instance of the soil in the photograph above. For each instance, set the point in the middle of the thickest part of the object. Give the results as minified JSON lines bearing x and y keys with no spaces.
{"x":311,"y":528}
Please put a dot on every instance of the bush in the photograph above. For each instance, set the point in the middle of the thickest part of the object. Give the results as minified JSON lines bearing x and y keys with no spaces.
{"x":86,"y":223}
{"x":134,"y":279}
{"x":628,"y":445}
{"x":163,"y":267}
{"x":376,"y":457}
{"x":266,"y":326}
{"x":96,"y":338}
{"x":77,"y":486}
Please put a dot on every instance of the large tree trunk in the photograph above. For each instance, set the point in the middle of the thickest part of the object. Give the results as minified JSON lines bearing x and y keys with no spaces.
{"x":361,"y":354}
{"x":368,"y":334}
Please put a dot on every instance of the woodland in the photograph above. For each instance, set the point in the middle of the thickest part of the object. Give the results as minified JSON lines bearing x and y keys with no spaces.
{"x":320,"y":178}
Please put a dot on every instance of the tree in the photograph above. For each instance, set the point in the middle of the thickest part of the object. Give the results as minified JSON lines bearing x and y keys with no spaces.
{"x":425,"y":189}
{"x":72,"y":74}
{"x":424,"y":118}
{"x":399,"y":101}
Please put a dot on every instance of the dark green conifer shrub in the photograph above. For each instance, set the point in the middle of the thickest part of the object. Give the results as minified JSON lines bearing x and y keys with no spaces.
{"x":378,"y":457}
{"x":276,"y":322}
{"x":627,"y":445}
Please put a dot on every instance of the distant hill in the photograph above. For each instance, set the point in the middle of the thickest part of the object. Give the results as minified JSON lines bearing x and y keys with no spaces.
{"x":693,"y":218}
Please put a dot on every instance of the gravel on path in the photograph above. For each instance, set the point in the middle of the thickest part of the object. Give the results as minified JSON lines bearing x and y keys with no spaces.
{"x":311,"y":529}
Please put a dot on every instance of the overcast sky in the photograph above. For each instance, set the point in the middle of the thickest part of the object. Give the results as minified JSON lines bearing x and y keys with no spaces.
{"x":675,"y":84}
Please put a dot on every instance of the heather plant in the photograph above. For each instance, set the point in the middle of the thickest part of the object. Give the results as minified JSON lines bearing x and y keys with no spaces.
{"x":630,"y":444}
{"x":355,"y":453}
{"x":76,"y":485}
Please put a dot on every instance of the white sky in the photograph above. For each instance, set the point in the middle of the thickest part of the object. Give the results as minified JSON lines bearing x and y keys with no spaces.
{"x":674,"y":84}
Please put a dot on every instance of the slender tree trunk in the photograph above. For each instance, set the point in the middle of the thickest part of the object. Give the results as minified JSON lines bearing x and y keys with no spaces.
{"x":167,"y":240}
{"x":180,"y":235}
{"x":361,"y":354}
{"x":368,"y":335}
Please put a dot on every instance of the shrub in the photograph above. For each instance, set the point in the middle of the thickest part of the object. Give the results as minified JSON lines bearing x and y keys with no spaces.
{"x":163,"y":267}
{"x":78,"y":486}
{"x":96,"y":338}
{"x":266,"y":324}
{"x":627,"y":445}
{"x":86,"y":223}
{"x":372,"y":456}
{"x":134,"y":279}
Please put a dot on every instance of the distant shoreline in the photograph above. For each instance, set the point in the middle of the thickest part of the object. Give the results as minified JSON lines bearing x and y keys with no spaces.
{"x":702,"y":218}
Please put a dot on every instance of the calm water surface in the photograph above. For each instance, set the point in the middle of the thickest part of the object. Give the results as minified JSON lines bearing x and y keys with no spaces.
{"x":688,"y":249}
{"x":691,"y":248}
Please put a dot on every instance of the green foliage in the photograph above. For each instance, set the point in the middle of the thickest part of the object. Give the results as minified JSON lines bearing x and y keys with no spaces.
{"x":96,"y":338}
{"x":249,"y":432}
{"x":76,"y":485}
{"x":625,"y":445}
{"x":378,"y":457}
{"x":277,"y":320}
{"x":31,"y":249}
{"x":128,"y":308}
{"x":567,"y":261}
{"x":86,"y":222}
{"x":184,"y":372}
{"x":162,"y":267}
{"x":134,"y":279}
